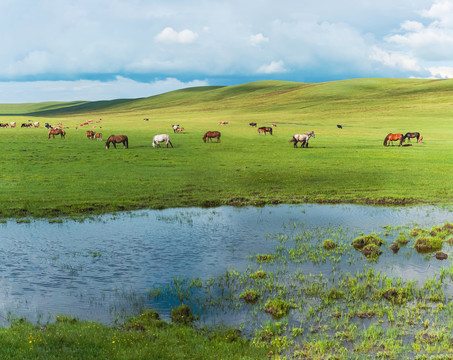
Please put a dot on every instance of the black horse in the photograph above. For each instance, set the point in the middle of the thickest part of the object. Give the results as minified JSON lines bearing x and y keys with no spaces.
{"x":412,"y":135}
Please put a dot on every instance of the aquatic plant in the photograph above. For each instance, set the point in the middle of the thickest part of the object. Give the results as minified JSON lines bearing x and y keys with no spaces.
{"x":362,"y":241}
{"x":371,"y":251}
{"x":278,"y":308}
{"x":264,"y":257}
{"x":328,"y":244}
{"x":250,"y":296}
{"x":428,"y":244}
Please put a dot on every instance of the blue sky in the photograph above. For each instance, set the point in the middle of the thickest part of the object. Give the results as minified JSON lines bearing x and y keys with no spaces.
{"x":108,"y":49}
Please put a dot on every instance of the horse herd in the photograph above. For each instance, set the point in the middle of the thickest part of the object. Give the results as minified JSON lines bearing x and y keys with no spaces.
{"x":210,"y":135}
{"x":390,"y":138}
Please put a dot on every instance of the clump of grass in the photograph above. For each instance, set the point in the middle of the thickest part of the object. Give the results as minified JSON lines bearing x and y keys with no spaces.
{"x":394,"y":296}
{"x":260,"y":274}
{"x":55,"y":221}
{"x":426,"y":245}
{"x":278,"y":308}
{"x":23,"y":221}
{"x":402,"y":239}
{"x":182,"y":315}
{"x":250,"y":296}
{"x":334,"y":294}
{"x":362,"y":241}
{"x":264,"y":257}
{"x":371,"y":251}
{"x":328,"y":244}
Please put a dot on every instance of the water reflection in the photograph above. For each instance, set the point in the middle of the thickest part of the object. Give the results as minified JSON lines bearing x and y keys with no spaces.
{"x":94,"y":269}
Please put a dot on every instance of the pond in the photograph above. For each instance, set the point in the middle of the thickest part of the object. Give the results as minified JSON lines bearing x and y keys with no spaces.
{"x":101,"y":269}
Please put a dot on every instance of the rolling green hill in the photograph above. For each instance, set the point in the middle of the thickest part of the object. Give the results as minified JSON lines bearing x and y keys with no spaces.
{"x":45,"y":177}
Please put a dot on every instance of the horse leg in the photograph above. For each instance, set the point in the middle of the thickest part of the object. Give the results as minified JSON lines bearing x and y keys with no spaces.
{"x":114,"y":144}
{"x":170,"y":143}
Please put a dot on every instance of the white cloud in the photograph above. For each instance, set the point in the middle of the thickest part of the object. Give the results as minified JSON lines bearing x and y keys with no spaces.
{"x":272,"y":68}
{"x":441,"y":72}
{"x":171,"y":36}
{"x":441,"y":11}
{"x":120,"y":88}
{"x":258,"y":39}
{"x":395,"y":60}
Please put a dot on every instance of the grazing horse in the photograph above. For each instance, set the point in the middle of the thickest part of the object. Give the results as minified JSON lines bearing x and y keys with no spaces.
{"x":264,"y":130}
{"x":339,"y":126}
{"x":116,"y":139}
{"x":175,"y":127}
{"x":223,"y":122}
{"x":98,"y":136}
{"x":161,"y":138}
{"x":54,"y":132}
{"x":302,"y":138}
{"x":212,"y":135}
{"x":393,"y":137}
{"x":252,"y":124}
{"x":91,"y":134}
{"x":412,"y":135}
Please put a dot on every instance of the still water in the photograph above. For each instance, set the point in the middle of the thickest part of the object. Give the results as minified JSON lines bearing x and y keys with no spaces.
{"x":94,"y":269}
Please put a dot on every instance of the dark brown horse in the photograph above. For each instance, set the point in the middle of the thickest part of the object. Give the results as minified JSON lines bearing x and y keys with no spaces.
{"x":212,"y":135}
{"x":393,"y":137}
{"x":264,"y":130}
{"x":116,"y":139}
{"x":54,"y":132}
{"x":412,"y":135}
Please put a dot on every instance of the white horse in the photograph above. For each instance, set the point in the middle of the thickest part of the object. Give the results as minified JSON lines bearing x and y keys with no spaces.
{"x":161,"y":138}
{"x":175,"y":127}
{"x":302,"y":138}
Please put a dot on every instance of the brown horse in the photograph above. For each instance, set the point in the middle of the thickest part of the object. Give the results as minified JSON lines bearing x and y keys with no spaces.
{"x":116,"y":139}
{"x":264,"y":130}
{"x":91,"y":134}
{"x":54,"y":132}
{"x":393,"y":137}
{"x":212,"y":135}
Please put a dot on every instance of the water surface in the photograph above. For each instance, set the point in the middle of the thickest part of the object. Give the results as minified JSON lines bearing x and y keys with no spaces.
{"x":96,"y":268}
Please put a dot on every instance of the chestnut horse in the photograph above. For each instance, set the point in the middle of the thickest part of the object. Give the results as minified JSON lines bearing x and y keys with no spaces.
{"x":116,"y":139}
{"x":54,"y":132}
{"x":264,"y":130}
{"x":91,"y":134}
{"x":212,"y":135}
{"x":394,"y":137}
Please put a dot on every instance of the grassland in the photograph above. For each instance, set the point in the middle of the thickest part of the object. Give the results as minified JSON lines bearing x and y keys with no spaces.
{"x":73,"y":176}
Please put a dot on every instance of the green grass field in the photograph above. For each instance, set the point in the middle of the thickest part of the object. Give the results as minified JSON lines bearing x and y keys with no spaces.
{"x":74,"y":176}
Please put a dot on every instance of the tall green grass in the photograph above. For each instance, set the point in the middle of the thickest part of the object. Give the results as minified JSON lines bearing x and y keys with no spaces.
{"x":42,"y":177}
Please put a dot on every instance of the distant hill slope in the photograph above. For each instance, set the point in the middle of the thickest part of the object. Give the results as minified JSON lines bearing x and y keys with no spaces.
{"x":271,"y":95}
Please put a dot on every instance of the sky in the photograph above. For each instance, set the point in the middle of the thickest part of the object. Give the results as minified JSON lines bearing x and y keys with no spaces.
{"x":64,"y":50}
